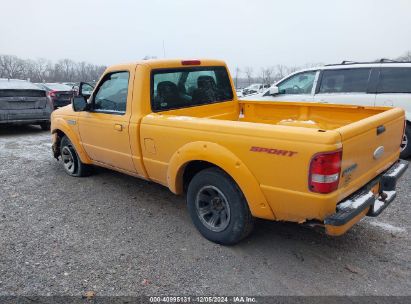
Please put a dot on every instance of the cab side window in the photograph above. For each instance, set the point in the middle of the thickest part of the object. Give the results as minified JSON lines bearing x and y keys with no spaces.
{"x":345,"y":81}
{"x":394,"y":80}
{"x":301,"y":83}
{"x":111,"y":96}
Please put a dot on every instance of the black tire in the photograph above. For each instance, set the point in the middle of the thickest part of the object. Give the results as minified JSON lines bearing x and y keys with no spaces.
{"x":406,"y":146}
{"x":71,"y":162}
{"x":45,"y":126}
{"x":235,"y":222}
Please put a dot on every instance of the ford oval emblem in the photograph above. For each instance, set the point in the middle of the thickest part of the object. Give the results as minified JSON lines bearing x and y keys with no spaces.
{"x":378,"y":152}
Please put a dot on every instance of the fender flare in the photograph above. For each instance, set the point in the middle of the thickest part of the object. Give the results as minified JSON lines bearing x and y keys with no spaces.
{"x":226,"y":160}
{"x":59,"y":124}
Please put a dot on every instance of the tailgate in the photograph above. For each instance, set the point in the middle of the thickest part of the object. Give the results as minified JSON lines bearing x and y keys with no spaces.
{"x":22,"y":99}
{"x":370,"y":146}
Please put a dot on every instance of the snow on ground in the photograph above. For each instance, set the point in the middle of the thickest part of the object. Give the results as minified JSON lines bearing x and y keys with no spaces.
{"x":33,"y":146}
{"x":386,"y":226}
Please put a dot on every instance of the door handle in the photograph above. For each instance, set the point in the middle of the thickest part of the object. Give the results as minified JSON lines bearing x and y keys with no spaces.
{"x":118,"y":127}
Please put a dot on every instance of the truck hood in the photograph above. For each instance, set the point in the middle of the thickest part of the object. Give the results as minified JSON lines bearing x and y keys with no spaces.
{"x":66,"y":110}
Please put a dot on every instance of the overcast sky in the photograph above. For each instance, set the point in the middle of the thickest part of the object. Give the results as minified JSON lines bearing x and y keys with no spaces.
{"x":244,"y":33}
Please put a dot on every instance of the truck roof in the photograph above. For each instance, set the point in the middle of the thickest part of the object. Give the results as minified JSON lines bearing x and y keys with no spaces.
{"x":171,"y":63}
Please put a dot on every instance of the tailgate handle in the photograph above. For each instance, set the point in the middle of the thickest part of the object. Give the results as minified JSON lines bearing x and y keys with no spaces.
{"x":380,"y":130}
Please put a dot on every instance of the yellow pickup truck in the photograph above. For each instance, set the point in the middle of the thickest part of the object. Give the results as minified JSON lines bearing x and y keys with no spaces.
{"x":180,"y":124}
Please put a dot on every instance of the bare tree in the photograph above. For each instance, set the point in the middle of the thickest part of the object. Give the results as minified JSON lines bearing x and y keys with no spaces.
{"x":266,"y":75}
{"x":94,"y":71}
{"x":66,"y":68}
{"x":405,"y":57}
{"x":36,"y":70}
{"x":28,"y":70}
{"x":262,"y":75}
{"x":313,"y":65}
{"x":293,"y":69}
{"x":249,"y":73}
{"x":82,"y":71}
{"x":43,"y":70}
{"x":237,"y":73}
{"x":281,"y":71}
{"x":269,"y":73}
{"x":12,"y":66}
{"x":147,"y":57}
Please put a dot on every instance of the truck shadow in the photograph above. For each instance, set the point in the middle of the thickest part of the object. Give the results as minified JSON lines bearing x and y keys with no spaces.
{"x":267,"y":234}
{"x":153,"y":215}
{"x":272,"y":242}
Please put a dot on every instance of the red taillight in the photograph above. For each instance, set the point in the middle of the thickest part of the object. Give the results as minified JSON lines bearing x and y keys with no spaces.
{"x":52,"y":93}
{"x":191,"y":62}
{"x":325,"y":171}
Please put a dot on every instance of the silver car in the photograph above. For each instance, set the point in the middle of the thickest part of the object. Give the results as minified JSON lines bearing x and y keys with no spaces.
{"x":22,"y":102}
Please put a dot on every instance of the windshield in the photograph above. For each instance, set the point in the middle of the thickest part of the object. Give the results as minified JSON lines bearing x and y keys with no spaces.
{"x":186,"y":87}
{"x":58,"y":87}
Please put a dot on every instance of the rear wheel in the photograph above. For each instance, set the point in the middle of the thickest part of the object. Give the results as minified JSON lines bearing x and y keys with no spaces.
{"x":406,"y":144}
{"x":218,"y":208}
{"x":71,"y":162}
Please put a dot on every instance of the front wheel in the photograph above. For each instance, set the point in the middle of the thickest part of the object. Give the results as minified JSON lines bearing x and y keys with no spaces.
{"x":71,"y":162}
{"x":218,"y":208}
{"x":406,"y":144}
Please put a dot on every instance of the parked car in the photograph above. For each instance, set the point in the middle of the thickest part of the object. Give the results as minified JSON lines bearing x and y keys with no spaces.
{"x":178,"y":123}
{"x":21,"y":102}
{"x":255,"y":88}
{"x":384,"y":83}
{"x":60,"y":94}
{"x":73,"y":85}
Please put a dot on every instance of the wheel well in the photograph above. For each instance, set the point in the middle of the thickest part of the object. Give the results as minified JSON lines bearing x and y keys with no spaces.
{"x":56,"y":144}
{"x":192,"y":168}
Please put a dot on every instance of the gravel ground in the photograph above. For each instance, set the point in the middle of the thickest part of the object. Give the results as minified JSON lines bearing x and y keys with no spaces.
{"x":118,"y":235}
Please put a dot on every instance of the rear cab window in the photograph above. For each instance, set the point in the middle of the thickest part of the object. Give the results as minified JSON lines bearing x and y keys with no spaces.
{"x":394,"y":80}
{"x":345,"y":80}
{"x":189,"y":86}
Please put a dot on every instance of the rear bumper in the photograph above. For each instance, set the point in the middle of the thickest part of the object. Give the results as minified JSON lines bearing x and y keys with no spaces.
{"x":24,"y":116}
{"x":370,"y":200}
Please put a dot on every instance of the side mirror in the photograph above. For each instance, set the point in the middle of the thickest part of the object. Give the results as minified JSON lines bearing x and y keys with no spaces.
{"x":85,"y":89}
{"x":79,"y":104}
{"x":274,"y":90}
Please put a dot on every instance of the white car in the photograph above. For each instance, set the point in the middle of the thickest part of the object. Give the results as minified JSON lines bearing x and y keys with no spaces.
{"x":383,"y":83}
{"x":255,"y":88}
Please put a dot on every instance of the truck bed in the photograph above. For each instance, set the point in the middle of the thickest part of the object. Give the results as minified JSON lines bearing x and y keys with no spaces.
{"x":316,"y":116}
{"x":306,"y":115}
{"x":304,"y":128}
